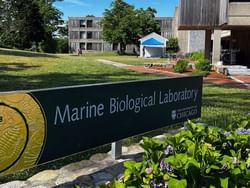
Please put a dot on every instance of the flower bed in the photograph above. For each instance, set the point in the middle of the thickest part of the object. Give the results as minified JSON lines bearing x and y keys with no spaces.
{"x":199,"y":156}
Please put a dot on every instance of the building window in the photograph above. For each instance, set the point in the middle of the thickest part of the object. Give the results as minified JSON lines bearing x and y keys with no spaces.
{"x":89,"y":35}
{"x":82,"y":23}
{"x":89,"y":46}
{"x":89,"y":23}
{"x":74,"y":35}
{"x":82,"y":46}
{"x":82,"y":35}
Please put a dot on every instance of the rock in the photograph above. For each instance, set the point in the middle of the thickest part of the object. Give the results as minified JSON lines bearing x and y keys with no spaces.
{"x":101,"y":178}
{"x":45,"y":176}
{"x":161,"y":137}
{"x":115,"y":170}
{"x":124,"y":149}
{"x":86,"y":180}
{"x":13,"y":184}
{"x":134,"y":149}
{"x":41,"y":186}
{"x":100,"y":157}
{"x":100,"y":169}
{"x":65,"y":177}
{"x":76,"y":166}
{"x":104,"y":160}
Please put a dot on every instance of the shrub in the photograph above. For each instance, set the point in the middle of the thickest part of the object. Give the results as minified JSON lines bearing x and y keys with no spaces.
{"x":181,"y":66}
{"x":172,"y":45}
{"x":198,"y":156}
{"x":62,"y":45}
{"x":196,"y":56}
{"x":203,"y":65}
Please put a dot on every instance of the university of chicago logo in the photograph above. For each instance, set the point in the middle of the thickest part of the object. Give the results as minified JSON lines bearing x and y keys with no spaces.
{"x":173,"y":114}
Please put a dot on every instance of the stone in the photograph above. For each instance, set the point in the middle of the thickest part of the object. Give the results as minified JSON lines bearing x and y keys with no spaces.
{"x":101,"y":177}
{"x":41,"y":186}
{"x":100,"y":157}
{"x":124,"y":149}
{"x":115,"y":170}
{"x":100,"y":169}
{"x":65,"y":177}
{"x":45,"y":176}
{"x":13,"y":184}
{"x":161,"y":137}
{"x":78,"y":165}
{"x":134,"y":149}
{"x":103,"y":159}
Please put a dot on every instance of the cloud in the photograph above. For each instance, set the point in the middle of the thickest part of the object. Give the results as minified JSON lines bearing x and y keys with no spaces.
{"x":76,"y":3}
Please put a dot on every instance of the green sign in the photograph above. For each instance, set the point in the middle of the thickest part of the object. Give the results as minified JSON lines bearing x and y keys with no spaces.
{"x":43,"y":125}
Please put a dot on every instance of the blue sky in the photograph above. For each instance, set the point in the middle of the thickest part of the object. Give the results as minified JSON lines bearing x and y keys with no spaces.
{"x":97,"y":7}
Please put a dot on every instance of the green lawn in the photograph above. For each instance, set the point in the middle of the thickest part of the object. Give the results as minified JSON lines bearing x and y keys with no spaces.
{"x":26,"y":70}
{"x":21,"y":70}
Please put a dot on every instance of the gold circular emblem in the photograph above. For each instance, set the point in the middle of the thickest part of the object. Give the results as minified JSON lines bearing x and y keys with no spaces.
{"x":22,"y":132}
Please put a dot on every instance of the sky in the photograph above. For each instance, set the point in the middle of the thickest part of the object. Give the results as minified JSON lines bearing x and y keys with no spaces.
{"x":97,"y":7}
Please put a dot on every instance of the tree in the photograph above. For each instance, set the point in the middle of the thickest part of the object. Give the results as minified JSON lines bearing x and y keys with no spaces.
{"x":25,"y":22}
{"x":28,"y":23}
{"x":124,"y":24}
{"x":146,"y":22}
{"x":52,"y":19}
{"x":7,"y":34}
{"x":172,"y":45}
{"x":118,"y":23}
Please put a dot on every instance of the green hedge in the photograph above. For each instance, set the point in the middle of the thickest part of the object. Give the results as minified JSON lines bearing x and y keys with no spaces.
{"x":181,"y":66}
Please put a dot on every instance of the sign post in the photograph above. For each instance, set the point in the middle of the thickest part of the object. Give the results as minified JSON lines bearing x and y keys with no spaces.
{"x":116,"y":149}
{"x":43,"y":125}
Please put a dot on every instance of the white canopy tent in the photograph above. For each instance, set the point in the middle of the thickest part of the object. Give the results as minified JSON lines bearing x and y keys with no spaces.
{"x":153,"y":45}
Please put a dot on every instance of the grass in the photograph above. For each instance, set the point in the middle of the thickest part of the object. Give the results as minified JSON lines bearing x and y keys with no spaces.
{"x":26,"y":70}
{"x":22,"y":71}
{"x":221,"y":105}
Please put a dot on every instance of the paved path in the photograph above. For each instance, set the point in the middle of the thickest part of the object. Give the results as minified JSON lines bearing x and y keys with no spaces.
{"x":217,"y":79}
{"x":116,"y":64}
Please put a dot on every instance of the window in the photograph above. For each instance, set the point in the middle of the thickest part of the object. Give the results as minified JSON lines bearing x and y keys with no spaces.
{"x":82,"y":46}
{"x":89,"y":35}
{"x":74,"y":35}
{"x":82,"y":35}
{"x":82,"y":23}
{"x":89,"y":46}
{"x":89,"y":23}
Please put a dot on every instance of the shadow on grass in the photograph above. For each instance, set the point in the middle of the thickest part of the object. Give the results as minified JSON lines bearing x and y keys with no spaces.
{"x":13,"y":83}
{"x":25,"y":53}
{"x":5,"y":67}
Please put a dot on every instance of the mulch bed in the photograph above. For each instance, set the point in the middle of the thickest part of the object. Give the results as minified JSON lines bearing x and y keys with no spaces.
{"x":212,"y":74}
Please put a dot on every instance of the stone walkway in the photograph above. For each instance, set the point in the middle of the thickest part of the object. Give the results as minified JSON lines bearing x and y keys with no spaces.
{"x":116,"y":64}
{"x":100,"y":169}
